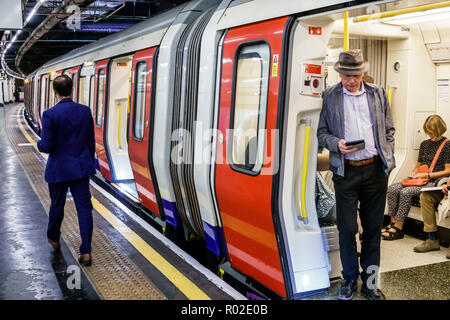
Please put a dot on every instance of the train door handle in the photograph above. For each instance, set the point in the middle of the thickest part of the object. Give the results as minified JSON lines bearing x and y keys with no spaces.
{"x":146,"y":124}
{"x":220,"y":138}
{"x":304,"y":171}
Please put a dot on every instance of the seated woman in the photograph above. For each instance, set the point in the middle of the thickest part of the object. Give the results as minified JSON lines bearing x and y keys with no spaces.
{"x":398,"y":196}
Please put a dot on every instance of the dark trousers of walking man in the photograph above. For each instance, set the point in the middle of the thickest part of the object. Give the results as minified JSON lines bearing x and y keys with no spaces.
{"x":82,"y":198}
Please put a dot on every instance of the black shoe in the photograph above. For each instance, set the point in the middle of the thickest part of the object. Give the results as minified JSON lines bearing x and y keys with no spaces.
{"x":55,"y":245}
{"x":347,"y":289}
{"x":85,"y":259}
{"x":372,"y":294}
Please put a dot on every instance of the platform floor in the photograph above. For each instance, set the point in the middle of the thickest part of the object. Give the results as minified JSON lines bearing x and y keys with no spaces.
{"x":130,"y":261}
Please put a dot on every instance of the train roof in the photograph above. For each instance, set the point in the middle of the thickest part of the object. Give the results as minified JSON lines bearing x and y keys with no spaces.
{"x":149,"y":33}
{"x":140,"y":36}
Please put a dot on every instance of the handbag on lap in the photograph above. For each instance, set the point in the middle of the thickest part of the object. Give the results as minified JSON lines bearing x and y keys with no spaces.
{"x":414,"y":182}
{"x":444,"y":209}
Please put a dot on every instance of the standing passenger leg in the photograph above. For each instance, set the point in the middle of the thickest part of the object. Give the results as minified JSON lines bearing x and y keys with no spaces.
{"x":82,"y":197}
{"x":58,"y":192}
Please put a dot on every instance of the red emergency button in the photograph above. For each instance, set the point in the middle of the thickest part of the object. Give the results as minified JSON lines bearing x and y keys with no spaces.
{"x":315,"y":83}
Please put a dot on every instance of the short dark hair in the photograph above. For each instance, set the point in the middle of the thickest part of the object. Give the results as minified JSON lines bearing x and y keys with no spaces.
{"x":63,"y":85}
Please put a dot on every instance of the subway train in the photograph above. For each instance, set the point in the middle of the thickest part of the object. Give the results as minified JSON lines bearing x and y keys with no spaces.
{"x":206,"y":115}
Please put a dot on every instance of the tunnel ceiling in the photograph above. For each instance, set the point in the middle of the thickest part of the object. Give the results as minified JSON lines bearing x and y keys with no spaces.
{"x":98,"y":18}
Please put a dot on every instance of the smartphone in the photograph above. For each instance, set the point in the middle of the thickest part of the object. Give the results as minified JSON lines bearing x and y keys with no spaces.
{"x":358,"y":144}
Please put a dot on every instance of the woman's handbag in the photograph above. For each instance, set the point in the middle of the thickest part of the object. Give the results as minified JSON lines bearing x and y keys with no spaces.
{"x":414,"y":182}
{"x":444,"y":209}
{"x":325,"y":198}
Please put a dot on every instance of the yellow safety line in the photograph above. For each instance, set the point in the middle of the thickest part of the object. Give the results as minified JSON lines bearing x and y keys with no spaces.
{"x":186,"y":286}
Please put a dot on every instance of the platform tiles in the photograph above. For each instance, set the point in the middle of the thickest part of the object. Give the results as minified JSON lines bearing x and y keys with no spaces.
{"x":131,"y":260}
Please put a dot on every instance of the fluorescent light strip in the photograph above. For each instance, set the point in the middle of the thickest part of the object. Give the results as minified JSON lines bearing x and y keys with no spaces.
{"x":417,"y":17}
{"x":32,"y":13}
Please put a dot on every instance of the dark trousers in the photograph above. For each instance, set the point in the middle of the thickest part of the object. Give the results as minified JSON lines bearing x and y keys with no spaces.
{"x":368,"y":185}
{"x":82,"y":198}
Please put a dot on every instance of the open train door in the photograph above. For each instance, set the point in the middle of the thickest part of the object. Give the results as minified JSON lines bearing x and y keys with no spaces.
{"x":244,"y":171}
{"x":140,"y":134}
{"x":100,"y":102}
{"x":74,"y":75}
{"x":268,"y":236}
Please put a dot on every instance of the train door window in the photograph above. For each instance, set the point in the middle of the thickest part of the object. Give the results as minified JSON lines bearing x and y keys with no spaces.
{"x":100,"y":96}
{"x":250,"y":92}
{"x":43,"y":89}
{"x":83,"y":93}
{"x":139,"y":104}
{"x":91,"y":93}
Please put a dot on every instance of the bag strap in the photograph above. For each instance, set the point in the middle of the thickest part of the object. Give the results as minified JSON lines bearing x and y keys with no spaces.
{"x":438,"y":152}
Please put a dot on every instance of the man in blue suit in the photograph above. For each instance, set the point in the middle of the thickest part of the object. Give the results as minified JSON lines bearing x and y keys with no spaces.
{"x":68,"y":138}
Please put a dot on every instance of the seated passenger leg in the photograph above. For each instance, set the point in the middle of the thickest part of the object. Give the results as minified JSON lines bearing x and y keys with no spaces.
{"x":428,"y":204}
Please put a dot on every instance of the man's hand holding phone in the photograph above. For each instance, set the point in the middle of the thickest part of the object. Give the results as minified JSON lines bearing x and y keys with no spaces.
{"x":346,"y":149}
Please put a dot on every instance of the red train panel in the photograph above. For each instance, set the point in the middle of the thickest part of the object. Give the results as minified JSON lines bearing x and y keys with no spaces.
{"x":139,"y":128}
{"x":245,"y":199}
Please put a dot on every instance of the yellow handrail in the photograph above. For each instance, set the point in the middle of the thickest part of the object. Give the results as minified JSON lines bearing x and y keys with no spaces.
{"x":305,"y":169}
{"x":401,"y":11}
{"x":346,"y":32}
{"x":120,"y":126}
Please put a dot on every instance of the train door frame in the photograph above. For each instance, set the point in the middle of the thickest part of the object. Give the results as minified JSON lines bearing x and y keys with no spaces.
{"x":74,"y":72}
{"x":106,"y":110}
{"x":146,"y":182}
{"x":41,"y":108}
{"x":100,"y":149}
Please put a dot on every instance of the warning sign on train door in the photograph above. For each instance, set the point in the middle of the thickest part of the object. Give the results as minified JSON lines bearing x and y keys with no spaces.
{"x":275,"y":65}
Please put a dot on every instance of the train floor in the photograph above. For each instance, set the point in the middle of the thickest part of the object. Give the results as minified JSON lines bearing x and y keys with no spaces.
{"x":131,"y":260}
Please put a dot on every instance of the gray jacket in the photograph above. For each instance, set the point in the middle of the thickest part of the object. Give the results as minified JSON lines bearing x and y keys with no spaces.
{"x":331,"y":125}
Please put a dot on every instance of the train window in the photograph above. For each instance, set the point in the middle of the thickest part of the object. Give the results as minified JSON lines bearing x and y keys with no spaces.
{"x":91,"y":93}
{"x":251,"y":84}
{"x":139,"y":102}
{"x":100,"y":96}
{"x":51,"y":94}
{"x":74,"y":85}
{"x":83,"y":93}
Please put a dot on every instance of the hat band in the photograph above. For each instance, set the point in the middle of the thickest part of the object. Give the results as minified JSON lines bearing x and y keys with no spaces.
{"x":350,"y":67}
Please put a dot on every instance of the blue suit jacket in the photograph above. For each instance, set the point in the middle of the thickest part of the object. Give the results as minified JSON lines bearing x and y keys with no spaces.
{"x":68,"y":138}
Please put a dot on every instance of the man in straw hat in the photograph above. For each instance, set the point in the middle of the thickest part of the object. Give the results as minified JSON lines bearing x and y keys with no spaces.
{"x":355,"y":110}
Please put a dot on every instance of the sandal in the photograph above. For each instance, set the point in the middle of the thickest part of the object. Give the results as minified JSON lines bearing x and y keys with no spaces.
{"x":394,"y":235}
{"x":386,"y":228}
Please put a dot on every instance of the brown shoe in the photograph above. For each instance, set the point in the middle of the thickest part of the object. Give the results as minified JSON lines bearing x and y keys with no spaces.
{"x":85,"y":259}
{"x":55,"y":245}
{"x":428,"y":245}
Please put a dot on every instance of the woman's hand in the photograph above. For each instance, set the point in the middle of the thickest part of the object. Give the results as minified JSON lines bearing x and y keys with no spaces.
{"x":445,"y":189}
{"x":420,"y":175}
